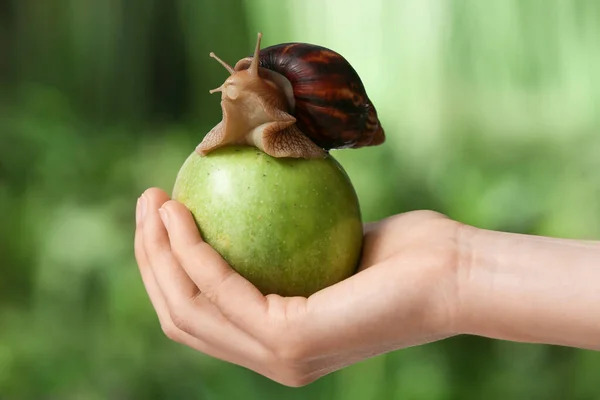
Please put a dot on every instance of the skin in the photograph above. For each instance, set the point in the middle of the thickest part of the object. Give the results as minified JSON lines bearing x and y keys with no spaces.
{"x":423,"y":277}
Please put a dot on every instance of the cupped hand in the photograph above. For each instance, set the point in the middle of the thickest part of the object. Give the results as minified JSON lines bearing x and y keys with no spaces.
{"x":402,"y":295}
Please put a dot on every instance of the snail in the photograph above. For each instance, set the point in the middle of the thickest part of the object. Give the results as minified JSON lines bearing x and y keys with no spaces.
{"x":294,"y":100}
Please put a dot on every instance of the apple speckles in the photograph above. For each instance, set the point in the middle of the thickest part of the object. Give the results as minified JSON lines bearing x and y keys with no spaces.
{"x":291,"y":227}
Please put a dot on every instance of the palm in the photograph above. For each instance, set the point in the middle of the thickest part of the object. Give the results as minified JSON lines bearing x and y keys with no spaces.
{"x":396,"y":299}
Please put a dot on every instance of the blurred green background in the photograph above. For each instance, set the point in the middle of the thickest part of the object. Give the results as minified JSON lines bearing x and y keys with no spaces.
{"x":492,"y":112}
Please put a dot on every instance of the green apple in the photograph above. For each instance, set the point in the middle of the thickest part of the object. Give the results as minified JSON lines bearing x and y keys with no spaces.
{"x":291,"y":226}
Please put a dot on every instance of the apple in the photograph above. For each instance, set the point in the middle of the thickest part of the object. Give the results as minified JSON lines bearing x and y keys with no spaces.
{"x":291,"y":226}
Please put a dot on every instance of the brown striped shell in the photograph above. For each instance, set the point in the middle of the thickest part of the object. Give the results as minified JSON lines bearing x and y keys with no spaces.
{"x":331,"y":104}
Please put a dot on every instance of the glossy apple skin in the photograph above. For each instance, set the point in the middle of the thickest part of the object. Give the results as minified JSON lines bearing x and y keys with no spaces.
{"x":290,"y":226}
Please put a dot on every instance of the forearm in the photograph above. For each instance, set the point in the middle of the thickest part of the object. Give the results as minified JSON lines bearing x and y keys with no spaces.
{"x":529,"y":289}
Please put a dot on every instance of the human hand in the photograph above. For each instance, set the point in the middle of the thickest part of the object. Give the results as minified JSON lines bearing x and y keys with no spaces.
{"x":402,"y":295}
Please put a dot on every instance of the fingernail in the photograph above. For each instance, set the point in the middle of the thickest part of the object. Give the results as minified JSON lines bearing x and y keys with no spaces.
{"x":138,"y":212}
{"x":164,"y":217}
{"x":143,"y":203}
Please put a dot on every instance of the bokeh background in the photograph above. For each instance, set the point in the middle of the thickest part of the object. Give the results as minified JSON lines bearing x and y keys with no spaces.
{"x":492,"y":111}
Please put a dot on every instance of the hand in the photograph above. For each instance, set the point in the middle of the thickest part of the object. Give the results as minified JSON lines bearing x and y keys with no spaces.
{"x":403,"y":295}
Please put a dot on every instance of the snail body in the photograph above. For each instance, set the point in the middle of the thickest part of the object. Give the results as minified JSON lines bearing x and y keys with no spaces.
{"x":294,"y":100}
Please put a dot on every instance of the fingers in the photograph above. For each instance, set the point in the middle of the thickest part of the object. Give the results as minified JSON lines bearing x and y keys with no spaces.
{"x":238,"y":299}
{"x":177,"y":288}
{"x":155,"y":295}
{"x":148,"y":280}
{"x":185,"y":316}
{"x":160,"y":306}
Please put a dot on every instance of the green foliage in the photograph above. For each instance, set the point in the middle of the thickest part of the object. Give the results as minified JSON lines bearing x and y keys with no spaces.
{"x":491,"y":112}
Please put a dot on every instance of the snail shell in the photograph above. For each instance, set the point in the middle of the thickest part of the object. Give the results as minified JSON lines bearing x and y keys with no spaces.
{"x":331,"y":104}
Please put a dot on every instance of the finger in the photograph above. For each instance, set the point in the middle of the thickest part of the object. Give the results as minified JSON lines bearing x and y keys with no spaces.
{"x":236,"y":297}
{"x":217,"y":349}
{"x":189,"y":310}
{"x":148,"y":279}
{"x":177,"y":288}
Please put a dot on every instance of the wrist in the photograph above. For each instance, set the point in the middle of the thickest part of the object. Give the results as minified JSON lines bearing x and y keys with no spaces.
{"x":452,"y":282}
{"x":497,"y":285}
{"x":462,"y":315}
{"x":469,"y":282}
